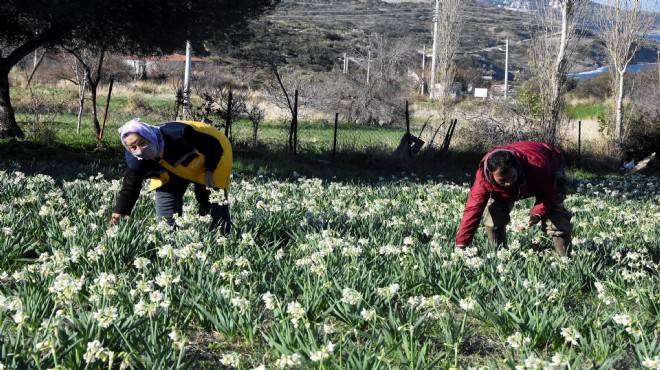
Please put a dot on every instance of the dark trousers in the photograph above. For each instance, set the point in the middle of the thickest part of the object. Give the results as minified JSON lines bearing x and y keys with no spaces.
{"x":169,"y":201}
{"x":557,"y":224}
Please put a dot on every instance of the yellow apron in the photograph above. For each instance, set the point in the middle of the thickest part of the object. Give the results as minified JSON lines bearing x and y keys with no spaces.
{"x":194,"y":171}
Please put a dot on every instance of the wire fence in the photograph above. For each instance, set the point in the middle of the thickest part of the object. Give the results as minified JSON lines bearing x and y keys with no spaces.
{"x":325,"y":140}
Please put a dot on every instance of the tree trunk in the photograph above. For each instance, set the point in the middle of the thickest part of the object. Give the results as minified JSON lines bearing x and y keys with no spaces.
{"x":8,"y":126}
{"x":255,"y":130}
{"x":95,"y":116}
{"x":619,"y":108}
{"x":94,"y":79}
{"x":559,"y":74}
{"x":82,"y":83}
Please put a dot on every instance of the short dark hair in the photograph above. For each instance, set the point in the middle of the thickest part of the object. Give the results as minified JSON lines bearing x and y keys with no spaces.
{"x":501,"y":160}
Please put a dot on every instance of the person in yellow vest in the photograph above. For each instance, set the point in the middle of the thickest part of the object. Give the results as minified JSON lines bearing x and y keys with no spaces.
{"x":173,"y":155}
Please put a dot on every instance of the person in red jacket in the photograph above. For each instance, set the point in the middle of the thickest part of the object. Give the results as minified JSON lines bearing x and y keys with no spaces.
{"x":513,"y":172}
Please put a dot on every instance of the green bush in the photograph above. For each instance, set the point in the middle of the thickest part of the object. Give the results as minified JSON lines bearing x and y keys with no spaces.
{"x":642,"y":137}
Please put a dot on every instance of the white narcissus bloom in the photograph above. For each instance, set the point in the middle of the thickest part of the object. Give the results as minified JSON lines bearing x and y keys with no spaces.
{"x":112,"y":231}
{"x":95,"y":351}
{"x":230,"y":359}
{"x":269,"y":300}
{"x":533,"y":362}
{"x":165,"y":279}
{"x":652,"y":363}
{"x":241,"y":303}
{"x":393,"y":289}
{"x":105,"y":284}
{"x":166,"y":251}
{"x":296,"y":311}
{"x":323,"y":353}
{"x":141,"y":308}
{"x":558,"y":361}
{"x":66,"y":288}
{"x":467,"y":304}
{"x":176,"y":338}
{"x":286,"y":361}
{"x":621,"y":319}
{"x":141,"y":262}
{"x":350,"y":296}
{"x":368,"y":315}
{"x":351,"y":251}
{"x":516,"y":340}
{"x":328,"y":328}
{"x":106,"y":316}
{"x":19,"y":317}
{"x":570,"y":335}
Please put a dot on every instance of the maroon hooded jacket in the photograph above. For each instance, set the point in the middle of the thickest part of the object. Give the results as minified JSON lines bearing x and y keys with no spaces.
{"x":537,"y":163}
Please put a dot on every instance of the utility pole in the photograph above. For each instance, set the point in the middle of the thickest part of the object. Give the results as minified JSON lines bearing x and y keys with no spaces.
{"x":186,"y":81}
{"x":506,"y":71}
{"x":368,"y":64}
{"x":435,"y":42}
{"x":421,"y":92}
{"x":345,"y":63}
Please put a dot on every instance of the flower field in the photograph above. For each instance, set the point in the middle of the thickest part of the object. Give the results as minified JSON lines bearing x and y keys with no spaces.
{"x":323,"y":274}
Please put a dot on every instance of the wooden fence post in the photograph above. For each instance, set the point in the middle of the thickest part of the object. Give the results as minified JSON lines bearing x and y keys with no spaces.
{"x":295,"y":125}
{"x":408,"y":131}
{"x":228,"y":118}
{"x":105,"y":114}
{"x":293,"y":130}
{"x":579,"y":141}
{"x":334,"y":141}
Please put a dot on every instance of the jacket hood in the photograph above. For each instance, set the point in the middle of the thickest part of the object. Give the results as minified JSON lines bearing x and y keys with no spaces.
{"x":488,"y":175}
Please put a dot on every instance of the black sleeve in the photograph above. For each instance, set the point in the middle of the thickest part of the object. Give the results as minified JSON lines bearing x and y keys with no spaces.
{"x":129,"y":193}
{"x":205,"y":144}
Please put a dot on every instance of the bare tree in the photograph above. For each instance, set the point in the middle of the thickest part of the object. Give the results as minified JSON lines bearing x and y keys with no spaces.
{"x":557,"y":26}
{"x":449,"y":26}
{"x":622,"y":25}
{"x":215,"y":89}
{"x":80,"y":80}
{"x":91,"y":61}
{"x":255,"y":114}
{"x":282,"y":82}
{"x":377,"y":100}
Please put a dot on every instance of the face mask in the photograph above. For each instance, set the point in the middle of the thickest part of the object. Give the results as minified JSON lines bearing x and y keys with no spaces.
{"x":146,"y":152}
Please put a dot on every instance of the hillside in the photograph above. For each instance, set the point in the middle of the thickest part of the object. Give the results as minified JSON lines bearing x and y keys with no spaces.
{"x":314,"y":34}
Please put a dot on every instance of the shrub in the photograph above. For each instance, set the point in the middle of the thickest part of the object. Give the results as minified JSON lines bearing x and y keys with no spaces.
{"x":596,"y":87}
{"x":137,"y":104}
{"x":642,"y":138}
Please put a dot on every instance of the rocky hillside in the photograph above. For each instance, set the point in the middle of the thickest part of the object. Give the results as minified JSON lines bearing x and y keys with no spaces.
{"x":314,"y":34}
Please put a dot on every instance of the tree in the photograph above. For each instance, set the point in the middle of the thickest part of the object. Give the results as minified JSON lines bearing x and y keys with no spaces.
{"x":91,"y":62}
{"x":379,"y":100}
{"x":80,"y":80}
{"x":130,"y":26}
{"x":622,"y":25}
{"x":449,"y":26}
{"x":557,"y":22}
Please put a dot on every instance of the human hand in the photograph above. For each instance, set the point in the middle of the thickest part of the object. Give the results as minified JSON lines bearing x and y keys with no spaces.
{"x":115,"y":218}
{"x":209,"y":181}
{"x":533,"y":220}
